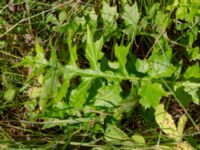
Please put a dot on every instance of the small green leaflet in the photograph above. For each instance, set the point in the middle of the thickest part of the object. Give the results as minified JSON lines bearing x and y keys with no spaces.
{"x":121,"y":53}
{"x":93,"y":50}
{"x":151,"y":94}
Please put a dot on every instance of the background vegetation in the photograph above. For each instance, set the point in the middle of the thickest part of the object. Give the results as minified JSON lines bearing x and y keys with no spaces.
{"x":99,"y":74}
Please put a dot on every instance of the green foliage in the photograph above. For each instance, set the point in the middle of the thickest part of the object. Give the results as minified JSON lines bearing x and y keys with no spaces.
{"x":95,"y":72}
{"x":151,"y":94}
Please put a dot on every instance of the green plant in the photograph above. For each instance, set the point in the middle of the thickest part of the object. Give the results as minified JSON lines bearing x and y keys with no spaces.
{"x":104,"y":63}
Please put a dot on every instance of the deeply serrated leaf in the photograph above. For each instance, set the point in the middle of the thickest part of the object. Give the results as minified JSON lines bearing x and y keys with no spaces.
{"x":121,"y":53}
{"x":72,"y":50}
{"x":151,"y":94}
{"x":93,"y":50}
{"x":166,"y":123}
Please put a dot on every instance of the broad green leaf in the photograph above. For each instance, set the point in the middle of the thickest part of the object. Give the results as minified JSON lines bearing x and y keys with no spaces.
{"x":192,"y":71}
{"x":109,"y":15}
{"x":166,"y":123}
{"x":109,"y":95}
{"x":151,"y":94}
{"x":79,"y":95}
{"x":73,"y":52}
{"x":181,"y":124}
{"x":9,"y":94}
{"x":131,"y":17}
{"x":121,"y":53}
{"x":93,"y":50}
{"x":115,"y":135}
{"x":138,"y":139}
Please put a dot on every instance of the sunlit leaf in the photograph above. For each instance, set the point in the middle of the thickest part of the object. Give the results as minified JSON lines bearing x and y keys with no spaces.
{"x":181,"y":124}
{"x":121,"y":53}
{"x":109,"y":15}
{"x":93,"y":50}
{"x":131,"y":17}
{"x":166,"y":123}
